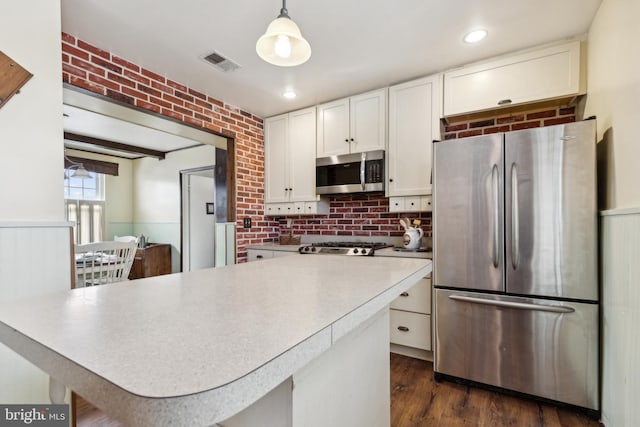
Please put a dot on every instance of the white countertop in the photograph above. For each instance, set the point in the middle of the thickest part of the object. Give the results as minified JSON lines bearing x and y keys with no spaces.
{"x":195,"y":348}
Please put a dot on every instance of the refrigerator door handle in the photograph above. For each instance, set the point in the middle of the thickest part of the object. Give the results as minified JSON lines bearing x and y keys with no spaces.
{"x":511,"y":304}
{"x":515,"y":216}
{"x":496,"y":217}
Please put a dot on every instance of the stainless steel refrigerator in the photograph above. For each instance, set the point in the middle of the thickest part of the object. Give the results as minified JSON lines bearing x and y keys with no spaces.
{"x":515,"y":262}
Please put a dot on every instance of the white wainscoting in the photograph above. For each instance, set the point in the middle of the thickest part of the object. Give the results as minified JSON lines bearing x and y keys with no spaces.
{"x":620,"y":272}
{"x":34,"y":260}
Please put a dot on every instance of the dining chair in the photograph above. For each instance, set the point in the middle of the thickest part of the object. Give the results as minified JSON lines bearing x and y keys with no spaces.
{"x":125,"y":238}
{"x":103,"y":262}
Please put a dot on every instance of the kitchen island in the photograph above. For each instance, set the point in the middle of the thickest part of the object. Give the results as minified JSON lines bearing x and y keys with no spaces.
{"x":277,"y":342}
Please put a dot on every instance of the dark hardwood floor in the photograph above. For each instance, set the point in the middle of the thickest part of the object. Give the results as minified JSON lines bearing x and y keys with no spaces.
{"x":418,"y":401}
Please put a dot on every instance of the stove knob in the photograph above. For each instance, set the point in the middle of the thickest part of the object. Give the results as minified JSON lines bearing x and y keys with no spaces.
{"x":355,"y":251}
{"x":364,"y":252}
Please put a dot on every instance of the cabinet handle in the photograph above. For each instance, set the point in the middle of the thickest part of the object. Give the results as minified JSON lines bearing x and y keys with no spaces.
{"x":259,"y":256}
{"x":346,"y":140}
{"x":390,"y":179}
{"x":291,"y":189}
{"x":404,"y":294}
{"x":351,"y":139}
{"x":403,"y":328}
{"x":504,"y":102}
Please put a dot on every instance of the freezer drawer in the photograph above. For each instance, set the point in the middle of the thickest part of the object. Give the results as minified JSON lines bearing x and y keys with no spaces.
{"x":540,"y":347}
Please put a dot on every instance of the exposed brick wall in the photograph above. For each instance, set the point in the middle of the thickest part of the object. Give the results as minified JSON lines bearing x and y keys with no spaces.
{"x":357,"y":215}
{"x":509,"y":122}
{"x":91,"y":68}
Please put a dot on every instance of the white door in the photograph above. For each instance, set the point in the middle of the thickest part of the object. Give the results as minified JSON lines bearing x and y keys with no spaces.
{"x":198,"y":194}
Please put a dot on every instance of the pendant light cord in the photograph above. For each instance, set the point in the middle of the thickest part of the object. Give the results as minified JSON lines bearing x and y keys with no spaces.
{"x":284,"y":13}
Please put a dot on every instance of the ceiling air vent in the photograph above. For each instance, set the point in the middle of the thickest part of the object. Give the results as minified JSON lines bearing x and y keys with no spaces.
{"x":221,"y":62}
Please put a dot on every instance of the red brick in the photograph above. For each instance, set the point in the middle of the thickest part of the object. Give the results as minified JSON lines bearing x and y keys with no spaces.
{"x":85,"y":84}
{"x":71,"y":50}
{"x":161,"y":87}
{"x":94,"y":50}
{"x":172,"y":99}
{"x":68,"y":38}
{"x":172,"y":114}
{"x":467,"y":133}
{"x":120,"y":80}
{"x":177,"y":86}
{"x":152,"y":75}
{"x":124,"y":63}
{"x":104,"y":82}
{"x":197,"y":94}
{"x":541,"y":114}
{"x":525,"y":125}
{"x":183,"y":95}
{"x":87,"y":66}
{"x":510,"y":119}
{"x":120,"y":97}
{"x":560,"y":120}
{"x":567,"y":110}
{"x":135,"y":93}
{"x":496,"y":129}
{"x":160,"y":102}
{"x":455,"y":128}
{"x":148,"y":106}
{"x":482,"y":124}
{"x":74,"y":70}
{"x":149,"y":91}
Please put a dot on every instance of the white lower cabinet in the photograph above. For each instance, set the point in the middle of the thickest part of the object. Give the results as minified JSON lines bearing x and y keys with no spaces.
{"x":260,"y":254}
{"x":410,"y":321}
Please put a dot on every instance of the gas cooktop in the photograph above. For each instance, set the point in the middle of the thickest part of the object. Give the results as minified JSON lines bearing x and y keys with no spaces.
{"x":343,"y":248}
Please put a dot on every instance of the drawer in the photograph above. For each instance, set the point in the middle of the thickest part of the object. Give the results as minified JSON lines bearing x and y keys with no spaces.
{"x":410,"y":329}
{"x":417,"y":299}
{"x":258,"y":254}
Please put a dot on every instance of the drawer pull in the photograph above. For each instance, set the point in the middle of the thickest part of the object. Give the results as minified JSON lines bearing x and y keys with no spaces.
{"x":403,"y":328}
{"x":259,"y":256}
{"x":404,"y":294}
{"x":504,"y":102}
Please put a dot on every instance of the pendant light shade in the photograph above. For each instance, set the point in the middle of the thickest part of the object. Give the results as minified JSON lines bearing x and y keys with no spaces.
{"x":283,"y":44}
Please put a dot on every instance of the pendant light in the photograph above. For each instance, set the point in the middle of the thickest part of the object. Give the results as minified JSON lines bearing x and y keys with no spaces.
{"x":282,"y":44}
{"x":79,"y":170}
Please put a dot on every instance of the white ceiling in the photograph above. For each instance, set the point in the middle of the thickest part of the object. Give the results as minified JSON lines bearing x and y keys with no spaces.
{"x":356,"y":45}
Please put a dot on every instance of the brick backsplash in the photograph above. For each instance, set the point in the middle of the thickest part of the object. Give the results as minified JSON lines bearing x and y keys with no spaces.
{"x":512,"y":121}
{"x":88,"y":67}
{"x":356,"y":215}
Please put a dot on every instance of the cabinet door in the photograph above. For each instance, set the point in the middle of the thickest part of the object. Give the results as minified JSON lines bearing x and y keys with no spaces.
{"x":333,"y":128}
{"x":414,"y":122}
{"x":367,"y":115}
{"x":302,"y":155}
{"x":547,"y":73}
{"x":275,"y":159}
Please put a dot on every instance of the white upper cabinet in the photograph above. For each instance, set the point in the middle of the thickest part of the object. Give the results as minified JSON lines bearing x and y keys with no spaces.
{"x":543,"y":74}
{"x":276,"y":181}
{"x":352,"y":125}
{"x":414,"y":122}
{"x":290,"y":143}
{"x":302,"y":150}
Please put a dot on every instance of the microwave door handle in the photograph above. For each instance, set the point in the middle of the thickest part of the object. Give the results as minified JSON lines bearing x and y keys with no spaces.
{"x":363,"y":163}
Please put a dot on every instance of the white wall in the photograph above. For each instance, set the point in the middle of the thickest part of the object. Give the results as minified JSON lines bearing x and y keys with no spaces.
{"x":614,"y":97}
{"x":31,"y":121}
{"x":613,"y":88}
{"x":156,"y":195}
{"x":31,"y":140}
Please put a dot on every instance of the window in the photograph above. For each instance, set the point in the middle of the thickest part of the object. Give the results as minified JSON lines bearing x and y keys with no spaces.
{"x":84,"y":205}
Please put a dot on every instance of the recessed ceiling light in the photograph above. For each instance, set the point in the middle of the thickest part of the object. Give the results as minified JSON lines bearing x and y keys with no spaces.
{"x":475,"y":36}
{"x":289,"y":94}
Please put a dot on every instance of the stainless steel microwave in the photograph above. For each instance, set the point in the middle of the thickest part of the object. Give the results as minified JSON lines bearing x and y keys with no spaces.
{"x":350,"y":173}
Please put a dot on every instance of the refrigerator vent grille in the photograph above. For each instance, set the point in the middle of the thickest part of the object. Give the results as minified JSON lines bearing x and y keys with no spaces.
{"x":220,"y":62}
